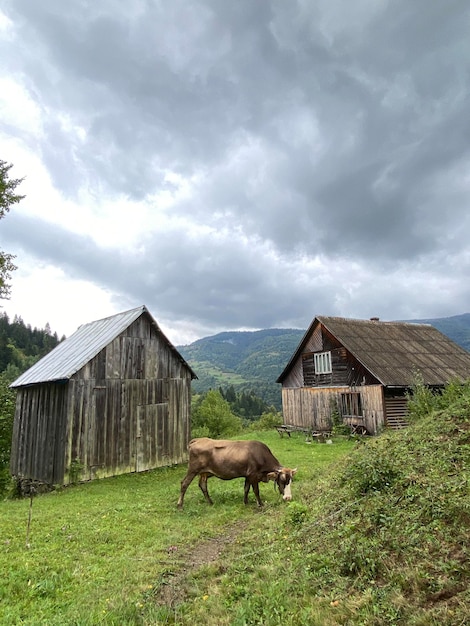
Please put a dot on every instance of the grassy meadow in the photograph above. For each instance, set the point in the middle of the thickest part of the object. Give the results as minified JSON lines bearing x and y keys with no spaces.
{"x":377,"y":535}
{"x":100,"y":552}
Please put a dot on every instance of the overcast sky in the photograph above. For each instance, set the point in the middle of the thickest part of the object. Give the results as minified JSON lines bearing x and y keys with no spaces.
{"x":236,"y":165}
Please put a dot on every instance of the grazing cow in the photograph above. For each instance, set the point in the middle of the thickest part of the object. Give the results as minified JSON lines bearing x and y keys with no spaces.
{"x":251,"y":460}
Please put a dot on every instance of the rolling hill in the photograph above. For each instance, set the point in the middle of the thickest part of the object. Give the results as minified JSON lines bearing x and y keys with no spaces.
{"x":252,"y":360}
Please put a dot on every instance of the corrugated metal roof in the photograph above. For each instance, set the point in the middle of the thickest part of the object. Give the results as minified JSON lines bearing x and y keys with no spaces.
{"x":394,"y":351}
{"x":84,"y":344}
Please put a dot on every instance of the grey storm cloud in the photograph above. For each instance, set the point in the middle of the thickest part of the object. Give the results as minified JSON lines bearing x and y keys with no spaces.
{"x":324,"y":130}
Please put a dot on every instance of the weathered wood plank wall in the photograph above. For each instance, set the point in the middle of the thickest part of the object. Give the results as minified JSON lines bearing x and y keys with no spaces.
{"x":126,"y":410}
{"x":41,"y":433}
{"x":312,"y":407}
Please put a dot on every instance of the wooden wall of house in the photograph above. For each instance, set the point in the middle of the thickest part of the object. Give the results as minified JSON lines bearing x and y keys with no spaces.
{"x":346,"y":369}
{"x":312,"y":407}
{"x":295,"y":376}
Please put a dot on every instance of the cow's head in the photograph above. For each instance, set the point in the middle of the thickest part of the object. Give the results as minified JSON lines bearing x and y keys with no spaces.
{"x":283,"y":479}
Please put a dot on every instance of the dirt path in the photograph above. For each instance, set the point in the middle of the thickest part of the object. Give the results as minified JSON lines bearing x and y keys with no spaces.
{"x":173,"y":589}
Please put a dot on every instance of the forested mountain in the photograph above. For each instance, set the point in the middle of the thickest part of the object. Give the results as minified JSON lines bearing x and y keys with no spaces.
{"x":243,"y":359}
{"x":20,"y":345}
{"x":254,"y":360}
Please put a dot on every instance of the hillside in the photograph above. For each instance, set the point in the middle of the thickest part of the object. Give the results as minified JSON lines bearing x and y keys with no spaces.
{"x":254,"y":360}
{"x":456,"y":328}
{"x":246,"y":360}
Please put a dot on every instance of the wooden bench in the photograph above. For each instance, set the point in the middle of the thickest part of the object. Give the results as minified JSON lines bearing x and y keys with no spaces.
{"x":285,"y":429}
{"x":318,"y":435}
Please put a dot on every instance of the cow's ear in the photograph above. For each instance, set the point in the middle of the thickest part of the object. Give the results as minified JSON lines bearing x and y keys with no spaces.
{"x":272,"y":476}
{"x":294,"y":472}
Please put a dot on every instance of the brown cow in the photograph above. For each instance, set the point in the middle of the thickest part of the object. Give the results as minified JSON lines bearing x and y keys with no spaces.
{"x":252,"y":460}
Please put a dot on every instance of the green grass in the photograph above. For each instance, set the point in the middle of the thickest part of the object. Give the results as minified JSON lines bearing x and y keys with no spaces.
{"x":381,"y":541}
{"x":377,"y":535}
{"x":100,"y":552}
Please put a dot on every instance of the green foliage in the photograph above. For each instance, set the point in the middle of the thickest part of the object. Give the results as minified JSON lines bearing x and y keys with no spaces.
{"x":75,"y":471}
{"x":372,"y":470}
{"x":267,"y":421}
{"x":8,"y":197}
{"x":245,"y":404}
{"x":20,"y":345}
{"x":7,"y":414}
{"x":212,"y":417}
{"x":421,"y":399}
{"x":297,"y":513}
{"x":338,"y":426}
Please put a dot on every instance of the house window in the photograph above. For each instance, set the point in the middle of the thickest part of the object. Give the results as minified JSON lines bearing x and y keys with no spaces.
{"x":351,"y":404}
{"x":322,"y":363}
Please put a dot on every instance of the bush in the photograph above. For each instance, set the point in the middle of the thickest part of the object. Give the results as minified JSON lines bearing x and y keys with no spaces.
{"x":371,"y":469}
{"x":267,"y":421}
{"x":421,"y":399}
{"x":7,"y":414}
{"x":212,"y":417}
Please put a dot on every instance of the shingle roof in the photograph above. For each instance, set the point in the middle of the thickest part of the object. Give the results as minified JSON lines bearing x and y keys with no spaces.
{"x":84,"y":344}
{"x":394,"y":351}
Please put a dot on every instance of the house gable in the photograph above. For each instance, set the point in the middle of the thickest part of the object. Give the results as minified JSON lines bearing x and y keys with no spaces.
{"x":390,"y":352}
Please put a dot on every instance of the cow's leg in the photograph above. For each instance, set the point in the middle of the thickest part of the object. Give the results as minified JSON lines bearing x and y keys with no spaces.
{"x":184,"y":485}
{"x":247,"y":489}
{"x":256,"y":491}
{"x":203,"y":486}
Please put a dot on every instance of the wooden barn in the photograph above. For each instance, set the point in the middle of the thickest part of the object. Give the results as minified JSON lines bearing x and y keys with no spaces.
{"x":359,"y":371}
{"x":113,"y":398}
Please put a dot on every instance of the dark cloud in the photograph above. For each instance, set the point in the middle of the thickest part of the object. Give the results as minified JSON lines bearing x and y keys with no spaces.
{"x":332,"y":131}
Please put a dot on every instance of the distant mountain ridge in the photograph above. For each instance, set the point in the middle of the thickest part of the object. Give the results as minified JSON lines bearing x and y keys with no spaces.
{"x":254,"y":359}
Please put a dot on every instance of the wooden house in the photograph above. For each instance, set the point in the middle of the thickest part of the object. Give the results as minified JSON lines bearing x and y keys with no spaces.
{"x":359,"y":371}
{"x":113,"y":398}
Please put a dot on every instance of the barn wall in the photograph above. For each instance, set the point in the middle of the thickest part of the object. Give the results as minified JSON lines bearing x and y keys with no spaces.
{"x":39,"y":434}
{"x":130,"y":407}
{"x":119,"y":427}
{"x":312,"y":407}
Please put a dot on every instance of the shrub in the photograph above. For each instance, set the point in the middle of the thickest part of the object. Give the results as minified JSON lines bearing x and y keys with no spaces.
{"x":421,"y":399}
{"x":212,"y":417}
{"x":267,"y":421}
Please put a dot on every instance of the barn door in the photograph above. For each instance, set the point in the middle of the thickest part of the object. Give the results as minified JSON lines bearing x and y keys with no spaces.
{"x":150,"y":435}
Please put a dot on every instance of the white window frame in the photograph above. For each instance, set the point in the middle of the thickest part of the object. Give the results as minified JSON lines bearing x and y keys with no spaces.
{"x":322,"y":363}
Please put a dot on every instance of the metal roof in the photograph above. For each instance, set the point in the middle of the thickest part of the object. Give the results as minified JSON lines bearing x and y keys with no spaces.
{"x":394,"y":351}
{"x":84,"y":344}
